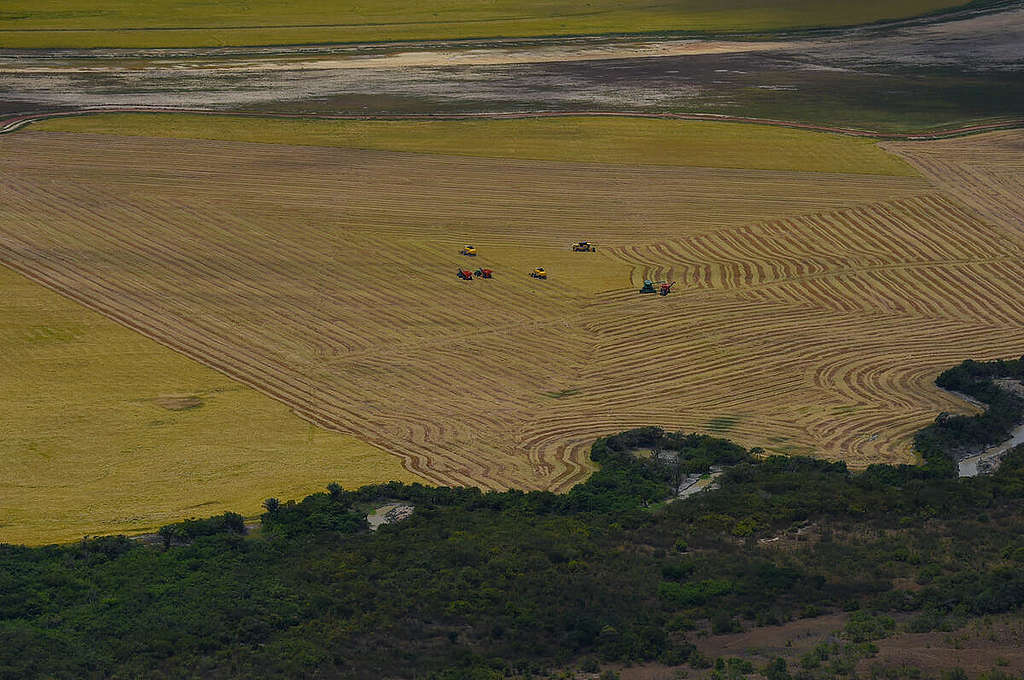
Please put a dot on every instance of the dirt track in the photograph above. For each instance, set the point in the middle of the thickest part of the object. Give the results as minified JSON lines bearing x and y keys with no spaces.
{"x":812,"y":310}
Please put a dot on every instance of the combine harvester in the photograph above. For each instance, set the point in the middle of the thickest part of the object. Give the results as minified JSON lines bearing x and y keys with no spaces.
{"x":468,"y":250}
{"x":584,"y":247}
{"x":482,"y":273}
{"x":539,"y":273}
{"x":465,"y":274}
{"x":664,"y":287}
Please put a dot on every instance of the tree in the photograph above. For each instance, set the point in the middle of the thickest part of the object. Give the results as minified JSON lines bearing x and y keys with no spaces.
{"x":271,"y":504}
{"x":776,"y":670}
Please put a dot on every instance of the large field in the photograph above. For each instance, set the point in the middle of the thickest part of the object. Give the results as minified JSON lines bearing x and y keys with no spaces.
{"x":621,"y":140}
{"x":179,"y":23}
{"x":106,"y":431}
{"x":985,"y":172}
{"x":811,"y":313}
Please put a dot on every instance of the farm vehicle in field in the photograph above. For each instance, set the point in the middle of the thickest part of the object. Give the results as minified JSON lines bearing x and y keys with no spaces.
{"x":465,"y":274}
{"x":539,"y":273}
{"x":663,"y":287}
{"x":483,"y":273}
{"x":584,"y":247}
{"x":468,"y":250}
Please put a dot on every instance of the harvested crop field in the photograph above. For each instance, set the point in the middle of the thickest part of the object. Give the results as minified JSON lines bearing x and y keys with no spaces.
{"x":985,"y":172}
{"x":812,"y":311}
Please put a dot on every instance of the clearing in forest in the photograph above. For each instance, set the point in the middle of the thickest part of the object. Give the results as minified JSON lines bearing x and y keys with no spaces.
{"x":179,"y":23}
{"x":811,"y":314}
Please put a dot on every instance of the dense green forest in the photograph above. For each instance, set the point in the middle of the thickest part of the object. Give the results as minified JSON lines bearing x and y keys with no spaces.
{"x":492,"y":585}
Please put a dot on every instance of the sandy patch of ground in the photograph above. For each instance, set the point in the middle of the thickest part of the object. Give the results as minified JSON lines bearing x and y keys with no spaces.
{"x":388,"y":514}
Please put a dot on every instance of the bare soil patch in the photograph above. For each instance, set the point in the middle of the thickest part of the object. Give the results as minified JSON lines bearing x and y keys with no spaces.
{"x":982,"y":646}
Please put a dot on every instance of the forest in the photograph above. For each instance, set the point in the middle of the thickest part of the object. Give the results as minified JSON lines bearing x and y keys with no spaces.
{"x":514,"y":584}
{"x":954,"y":436}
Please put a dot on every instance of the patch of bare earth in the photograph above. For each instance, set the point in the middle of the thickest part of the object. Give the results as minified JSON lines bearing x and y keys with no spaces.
{"x":983,"y":645}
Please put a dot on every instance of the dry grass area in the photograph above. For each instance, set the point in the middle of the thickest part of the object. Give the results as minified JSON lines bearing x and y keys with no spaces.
{"x":984,"y":645}
{"x":106,"y":431}
{"x":812,"y":311}
{"x":986,"y":172}
{"x":988,"y":644}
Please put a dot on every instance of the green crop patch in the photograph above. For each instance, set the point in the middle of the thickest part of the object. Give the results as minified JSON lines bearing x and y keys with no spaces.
{"x":181,"y":23}
{"x":620,"y":140}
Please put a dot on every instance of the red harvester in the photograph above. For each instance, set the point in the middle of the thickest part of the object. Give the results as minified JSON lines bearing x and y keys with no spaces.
{"x":666,"y":288}
{"x":465,"y":274}
{"x":483,"y":273}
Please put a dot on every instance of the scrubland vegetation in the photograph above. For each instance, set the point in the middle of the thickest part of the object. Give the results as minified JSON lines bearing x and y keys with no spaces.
{"x":492,"y":585}
{"x":952,"y":436}
{"x":107,"y":431}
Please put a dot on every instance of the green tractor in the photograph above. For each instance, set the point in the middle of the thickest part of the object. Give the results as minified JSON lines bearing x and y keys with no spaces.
{"x":649,"y":286}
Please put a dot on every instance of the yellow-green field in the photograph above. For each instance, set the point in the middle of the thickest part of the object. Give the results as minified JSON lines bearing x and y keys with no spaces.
{"x":105,"y":431}
{"x":182,"y":23}
{"x":629,"y":141}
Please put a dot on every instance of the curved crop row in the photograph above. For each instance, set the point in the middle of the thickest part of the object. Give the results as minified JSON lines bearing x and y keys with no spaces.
{"x":809,"y":314}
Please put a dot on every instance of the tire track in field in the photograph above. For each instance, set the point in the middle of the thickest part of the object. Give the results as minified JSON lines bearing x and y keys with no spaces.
{"x":985,"y":173}
{"x":916,"y":266}
{"x":810,"y":313}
